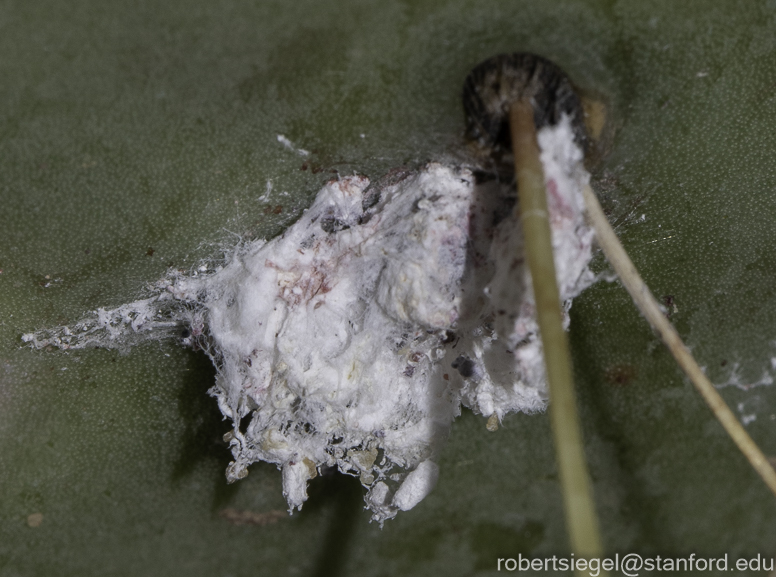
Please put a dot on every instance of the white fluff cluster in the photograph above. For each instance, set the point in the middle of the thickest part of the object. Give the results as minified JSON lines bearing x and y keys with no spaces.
{"x":353,"y":339}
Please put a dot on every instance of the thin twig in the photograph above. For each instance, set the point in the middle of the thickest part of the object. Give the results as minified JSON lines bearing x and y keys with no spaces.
{"x":581,"y":517}
{"x":651,"y":310}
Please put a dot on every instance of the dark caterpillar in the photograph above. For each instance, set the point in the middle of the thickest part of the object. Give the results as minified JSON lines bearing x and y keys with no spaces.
{"x":493,"y":85}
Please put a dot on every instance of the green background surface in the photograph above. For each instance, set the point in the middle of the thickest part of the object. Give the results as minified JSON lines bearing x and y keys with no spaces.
{"x":136,"y":136}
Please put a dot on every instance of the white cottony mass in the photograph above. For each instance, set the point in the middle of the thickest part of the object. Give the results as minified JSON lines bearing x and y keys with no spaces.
{"x":353,"y":339}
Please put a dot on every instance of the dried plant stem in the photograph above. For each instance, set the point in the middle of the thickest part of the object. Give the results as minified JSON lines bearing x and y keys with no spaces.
{"x":581,"y":518}
{"x":651,"y":310}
